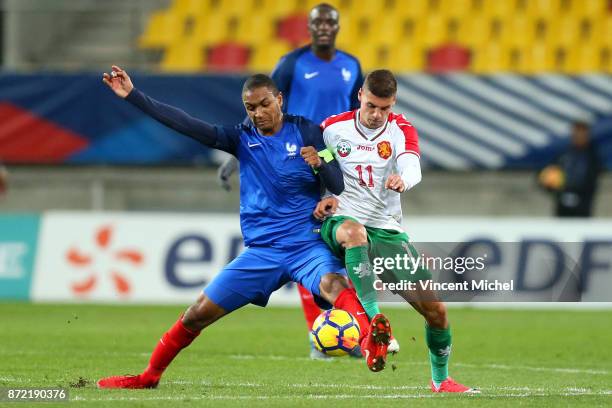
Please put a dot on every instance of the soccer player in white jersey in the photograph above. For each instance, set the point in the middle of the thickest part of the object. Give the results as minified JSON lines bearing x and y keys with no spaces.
{"x":378,"y":152}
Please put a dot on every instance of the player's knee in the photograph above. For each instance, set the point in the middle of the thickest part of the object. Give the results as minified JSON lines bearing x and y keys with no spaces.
{"x":331,"y":285}
{"x":202,"y":314}
{"x":435,"y":314}
{"x":354,"y":234}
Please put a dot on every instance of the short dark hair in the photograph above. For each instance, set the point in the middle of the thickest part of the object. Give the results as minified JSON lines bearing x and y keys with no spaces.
{"x":381,"y":83}
{"x":259,"y":81}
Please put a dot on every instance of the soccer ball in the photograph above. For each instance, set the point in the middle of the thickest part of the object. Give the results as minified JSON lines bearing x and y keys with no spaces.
{"x":335,"y":332}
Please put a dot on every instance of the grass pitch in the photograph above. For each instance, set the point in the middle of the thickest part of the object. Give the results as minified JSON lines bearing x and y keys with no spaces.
{"x":257,"y":357}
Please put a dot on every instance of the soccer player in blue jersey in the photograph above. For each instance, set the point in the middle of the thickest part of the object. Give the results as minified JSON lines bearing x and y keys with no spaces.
{"x":316,"y":81}
{"x":278,"y":192}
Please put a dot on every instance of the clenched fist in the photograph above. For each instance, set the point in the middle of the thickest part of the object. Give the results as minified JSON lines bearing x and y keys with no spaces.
{"x":311,"y":156}
{"x":395,"y":183}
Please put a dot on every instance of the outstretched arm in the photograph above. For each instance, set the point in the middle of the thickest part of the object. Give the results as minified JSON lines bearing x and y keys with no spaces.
{"x":213,"y":136}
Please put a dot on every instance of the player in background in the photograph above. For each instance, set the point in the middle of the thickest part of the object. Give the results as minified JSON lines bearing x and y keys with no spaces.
{"x":277,"y":194}
{"x":316,"y":81}
{"x":378,"y":152}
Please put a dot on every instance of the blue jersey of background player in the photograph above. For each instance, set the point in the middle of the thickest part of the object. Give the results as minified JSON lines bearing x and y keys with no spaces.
{"x":278,"y":193}
{"x":317,"y":80}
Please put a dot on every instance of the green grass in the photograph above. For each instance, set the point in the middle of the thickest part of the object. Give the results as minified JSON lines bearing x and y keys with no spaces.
{"x":258,"y":357}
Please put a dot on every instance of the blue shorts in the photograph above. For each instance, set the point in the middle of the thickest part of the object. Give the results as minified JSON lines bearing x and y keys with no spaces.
{"x":259,"y":271}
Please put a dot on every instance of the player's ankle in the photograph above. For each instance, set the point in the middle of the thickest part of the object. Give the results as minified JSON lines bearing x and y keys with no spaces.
{"x":151,"y":375}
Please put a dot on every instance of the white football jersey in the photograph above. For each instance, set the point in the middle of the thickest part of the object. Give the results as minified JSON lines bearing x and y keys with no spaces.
{"x":366,"y":163}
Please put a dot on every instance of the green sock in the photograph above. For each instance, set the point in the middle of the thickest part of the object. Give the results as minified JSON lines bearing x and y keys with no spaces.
{"x":359,"y":269}
{"x":439,"y":343}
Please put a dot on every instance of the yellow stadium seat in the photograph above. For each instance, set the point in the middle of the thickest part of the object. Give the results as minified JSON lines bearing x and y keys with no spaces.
{"x":349,"y":32}
{"x":387,"y":30}
{"x":162,"y":30}
{"x":588,"y":8}
{"x":475,"y":31}
{"x":564,"y":32}
{"x":606,"y":32}
{"x":406,"y":57}
{"x":432,"y":30}
{"x":499,"y":8}
{"x":278,"y":8}
{"x":519,"y":31}
{"x":265,"y":56}
{"x":372,"y":56}
{"x":491,"y":58}
{"x":353,"y":31}
{"x":456,"y":8}
{"x":235,"y":8}
{"x":586,"y":59}
{"x":537,"y":58}
{"x":368,"y":9}
{"x":185,"y":8}
{"x":548,"y":9}
{"x":183,"y":56}
{"x":210,"y":29}
{"x":256,"y":29}
{"x":411,"y":9}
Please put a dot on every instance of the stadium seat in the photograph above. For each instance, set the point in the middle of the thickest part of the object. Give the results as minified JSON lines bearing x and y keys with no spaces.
{"x":228,"y":57}
{"x":372,"y":55}
{"x":368,"y":9}
{"x":499,"y":8}
{"x":189,"y":8}
{"x":474,"y":31}
{"x":210,"y":29}
{"x":536,"y":58}
{"x":388,"y":30}
{"x":294,"y":29}
{"x":448,"y":57}
{"x":518,"y":31}
{"x":257,"y":29}
{"x":491,"y":58}
{"x":406,"y":57}
{"x":265,"y":56}
{"x":183,"y":56}
{"x":585,"y":59}
{"x":563,"y":32}
{"x":412,"y":9}
{"x":456,"y":8}
{"x":588,"y":8}
{"x":548,"y":9}
{"x":162,"y":30}
{"x":433,"y":30}
{"x":278,"y":8}
{"x":233,"y":8}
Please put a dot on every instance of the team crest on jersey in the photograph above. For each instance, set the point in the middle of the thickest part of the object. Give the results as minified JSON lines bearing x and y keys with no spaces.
{"x":291,"y":149}
{"x":346,"y":75}
{"x":384,"y":149}
{"x":343,"y":148}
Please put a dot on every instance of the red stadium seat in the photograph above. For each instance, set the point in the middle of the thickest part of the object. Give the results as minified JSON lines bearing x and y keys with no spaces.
{"x":448,"y":57}
{"x":228,"y":57}
{"x":294,"y":29}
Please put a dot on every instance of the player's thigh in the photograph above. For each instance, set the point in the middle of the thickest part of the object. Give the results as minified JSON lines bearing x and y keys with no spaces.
{"x":250,"y":278}
{"x":388,"y":244}
{"x":313,"y":264}
{"x":329,"y":233}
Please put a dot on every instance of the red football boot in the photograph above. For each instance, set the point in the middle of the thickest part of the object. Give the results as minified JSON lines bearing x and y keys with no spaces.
{"x":127,"y":381}
{"x":374,"y":345}
{"x":450,"y":385}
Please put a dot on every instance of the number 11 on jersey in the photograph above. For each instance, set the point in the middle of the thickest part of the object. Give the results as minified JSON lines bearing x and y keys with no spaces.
{"x":362,"y":182}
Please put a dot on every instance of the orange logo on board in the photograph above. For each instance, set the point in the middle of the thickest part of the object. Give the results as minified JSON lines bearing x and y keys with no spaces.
{"x":384,"y":149}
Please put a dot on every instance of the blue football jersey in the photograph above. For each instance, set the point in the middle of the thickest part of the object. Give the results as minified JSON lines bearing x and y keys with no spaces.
{"x":317,"y":89}
{"x":278,"y":190}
